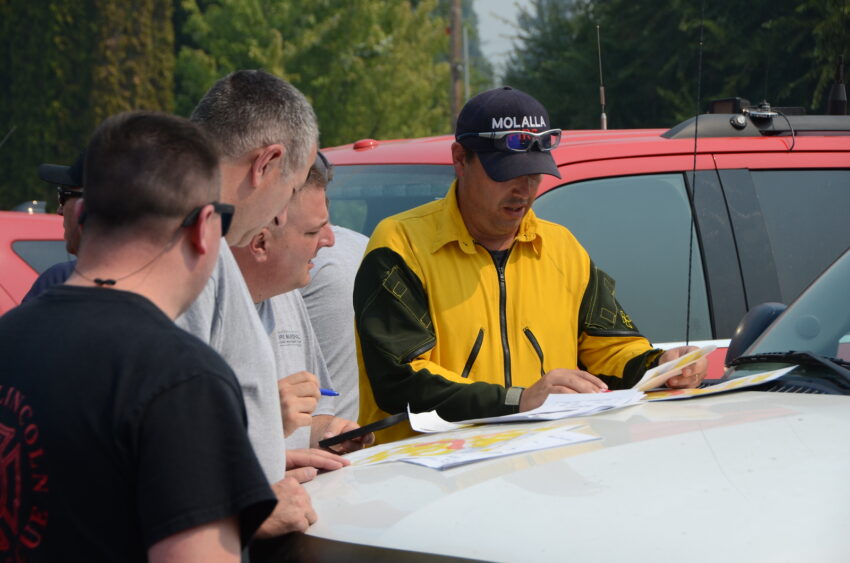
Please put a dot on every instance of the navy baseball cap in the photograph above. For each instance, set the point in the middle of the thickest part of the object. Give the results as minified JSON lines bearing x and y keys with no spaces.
{"x":64,"y":175}
{"x":505,"y":109}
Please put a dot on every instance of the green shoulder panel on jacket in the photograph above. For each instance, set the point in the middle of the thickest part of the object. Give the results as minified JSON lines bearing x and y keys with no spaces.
{"x":600,"y":313}
{"x":391,"y":307}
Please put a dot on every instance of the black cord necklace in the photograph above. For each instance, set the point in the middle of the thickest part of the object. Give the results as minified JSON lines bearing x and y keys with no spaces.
{"x":101,"y":282}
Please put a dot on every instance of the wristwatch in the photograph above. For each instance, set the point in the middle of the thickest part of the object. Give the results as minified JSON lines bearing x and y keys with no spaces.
{"x":513,"y":396}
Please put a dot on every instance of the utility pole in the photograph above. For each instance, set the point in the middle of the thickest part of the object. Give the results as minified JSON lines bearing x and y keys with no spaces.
{"x":456,"y":61}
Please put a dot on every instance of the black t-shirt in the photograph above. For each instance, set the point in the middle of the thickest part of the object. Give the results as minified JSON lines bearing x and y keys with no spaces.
{"x":54,"y":275}
{"x":117,"y":430}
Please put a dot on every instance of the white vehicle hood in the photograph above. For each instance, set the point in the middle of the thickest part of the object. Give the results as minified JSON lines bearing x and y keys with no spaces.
{"x":747,"y":476}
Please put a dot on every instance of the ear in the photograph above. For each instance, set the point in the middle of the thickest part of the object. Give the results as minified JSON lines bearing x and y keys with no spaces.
{"x":205,"y":230}
{"x":269,"y":160}
{"x":259,"y":245}
{"x":458,"y":159}
{"x":80,"y":212}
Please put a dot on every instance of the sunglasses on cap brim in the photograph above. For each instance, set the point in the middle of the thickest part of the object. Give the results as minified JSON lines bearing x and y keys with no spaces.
{"x":519,"y":141}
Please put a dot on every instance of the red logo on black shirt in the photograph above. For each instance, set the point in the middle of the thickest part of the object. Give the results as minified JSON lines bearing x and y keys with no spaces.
{"x":23,"y":478}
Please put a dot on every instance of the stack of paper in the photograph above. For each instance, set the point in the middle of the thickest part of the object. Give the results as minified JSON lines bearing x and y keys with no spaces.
{"x":572,"y":404}
{"x":555,"y":407}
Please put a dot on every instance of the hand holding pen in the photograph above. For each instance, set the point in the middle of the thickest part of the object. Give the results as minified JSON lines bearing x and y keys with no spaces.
{"x":299,"y":394}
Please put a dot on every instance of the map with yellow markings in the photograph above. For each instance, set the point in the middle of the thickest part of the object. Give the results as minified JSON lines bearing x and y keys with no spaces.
{"x":442,"y":451}
{"x":732,"y":384}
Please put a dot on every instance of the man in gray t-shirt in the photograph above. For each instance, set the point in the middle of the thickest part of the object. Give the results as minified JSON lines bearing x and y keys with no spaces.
{"x":224,"y":317}
{"x":287,"y":323}
{"x":266,"y":134}
{"x":278,"y":261}
{"x":328,"y":297}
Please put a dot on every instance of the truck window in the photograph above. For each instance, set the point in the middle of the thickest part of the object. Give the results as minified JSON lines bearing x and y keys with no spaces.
{"x":806,"y":217}
{"x":637,"y":228}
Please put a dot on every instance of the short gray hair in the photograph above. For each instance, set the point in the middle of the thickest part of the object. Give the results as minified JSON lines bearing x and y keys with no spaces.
{"x":249,"y":109}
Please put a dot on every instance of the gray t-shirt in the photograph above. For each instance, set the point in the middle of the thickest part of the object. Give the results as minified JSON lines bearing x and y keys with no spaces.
{"x":224,"y":317}
{"x":329,"y":299}
{"x":287,"y":324}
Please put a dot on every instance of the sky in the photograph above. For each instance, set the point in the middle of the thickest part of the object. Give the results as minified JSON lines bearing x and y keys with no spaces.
{"x":495,"y":28}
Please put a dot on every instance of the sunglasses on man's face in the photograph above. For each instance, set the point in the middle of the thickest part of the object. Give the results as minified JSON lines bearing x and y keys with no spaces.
{"x":324,"y":166}
{"x":64,"y":193}
{"x":224,"y":209}
{"x":520,"y":141}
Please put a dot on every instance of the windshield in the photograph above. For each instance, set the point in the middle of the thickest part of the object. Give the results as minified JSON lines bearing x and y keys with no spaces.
{"x":361,"y":195}
{"x":816,"y":324}
{"x":818,"y":321}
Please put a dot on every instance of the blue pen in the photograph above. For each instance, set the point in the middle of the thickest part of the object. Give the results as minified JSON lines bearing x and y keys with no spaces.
{"x":329,"y":393}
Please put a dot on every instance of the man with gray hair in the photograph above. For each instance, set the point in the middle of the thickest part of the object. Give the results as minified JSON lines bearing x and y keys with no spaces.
{"x":267,"y":134}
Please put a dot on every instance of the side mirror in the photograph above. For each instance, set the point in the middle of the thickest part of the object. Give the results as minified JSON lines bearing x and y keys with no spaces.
{"x":752,"y":325}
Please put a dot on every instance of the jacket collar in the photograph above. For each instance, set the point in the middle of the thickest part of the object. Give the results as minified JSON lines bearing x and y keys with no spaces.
{"x":451,"y":227}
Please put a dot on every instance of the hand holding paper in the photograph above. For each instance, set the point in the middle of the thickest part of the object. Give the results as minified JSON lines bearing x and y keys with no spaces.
{"x":560,"y":381}
{"x":658,"y":376}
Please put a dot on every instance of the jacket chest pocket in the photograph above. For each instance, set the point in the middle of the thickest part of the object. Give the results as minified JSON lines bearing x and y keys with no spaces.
{"x":473,"y":354}
{"x":537,"y":349}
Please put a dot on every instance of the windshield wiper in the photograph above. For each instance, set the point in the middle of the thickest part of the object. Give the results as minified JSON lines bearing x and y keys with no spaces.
{"x":836,"y":365}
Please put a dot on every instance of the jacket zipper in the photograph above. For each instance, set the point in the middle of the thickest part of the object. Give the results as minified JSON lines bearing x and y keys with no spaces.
{"x":473,"y":354}
{"x":503,"y":316}
{"x":537,"y":348}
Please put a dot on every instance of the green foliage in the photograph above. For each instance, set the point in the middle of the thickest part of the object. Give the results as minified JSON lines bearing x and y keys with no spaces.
{"x":66,"y":65}
{"x":42,"y":92}
{"x":783,"y":51}
{"x":554,"y":61}
{"x":371,"y":68}
{"x":133,"y":62}
{"x":380,"y":68}
{"x":224,"y":36}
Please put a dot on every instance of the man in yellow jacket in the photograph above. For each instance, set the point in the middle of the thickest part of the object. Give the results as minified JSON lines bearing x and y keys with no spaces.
{"x":473,"y":306}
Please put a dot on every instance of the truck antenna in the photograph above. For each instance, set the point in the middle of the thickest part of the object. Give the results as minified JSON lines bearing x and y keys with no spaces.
{"x":603,"y":119}
{"x":694,"y":178}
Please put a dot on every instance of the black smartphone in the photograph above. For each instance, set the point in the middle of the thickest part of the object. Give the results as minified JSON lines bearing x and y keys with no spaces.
{"x":357,"y":432}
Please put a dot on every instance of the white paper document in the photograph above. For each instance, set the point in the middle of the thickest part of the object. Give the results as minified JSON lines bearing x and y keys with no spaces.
{"x":429,"y":422}
{"x":470,"y":445}
{"x":556,"y":406}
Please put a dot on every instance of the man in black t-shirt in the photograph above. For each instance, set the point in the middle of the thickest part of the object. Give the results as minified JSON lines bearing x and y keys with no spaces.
{"x":122,"y":437}
{"x":68,"y":181}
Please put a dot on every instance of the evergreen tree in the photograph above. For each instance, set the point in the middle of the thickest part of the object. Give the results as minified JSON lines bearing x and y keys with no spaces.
{"x":44,"y":82}
{"x":555,"y":61}
{"x":783,"y":51}
{"x":65,"y":66}
{"x":133,"y":65}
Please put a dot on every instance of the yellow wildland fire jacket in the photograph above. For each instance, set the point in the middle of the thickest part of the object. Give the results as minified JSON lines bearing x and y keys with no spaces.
{"x":441,"y":325}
